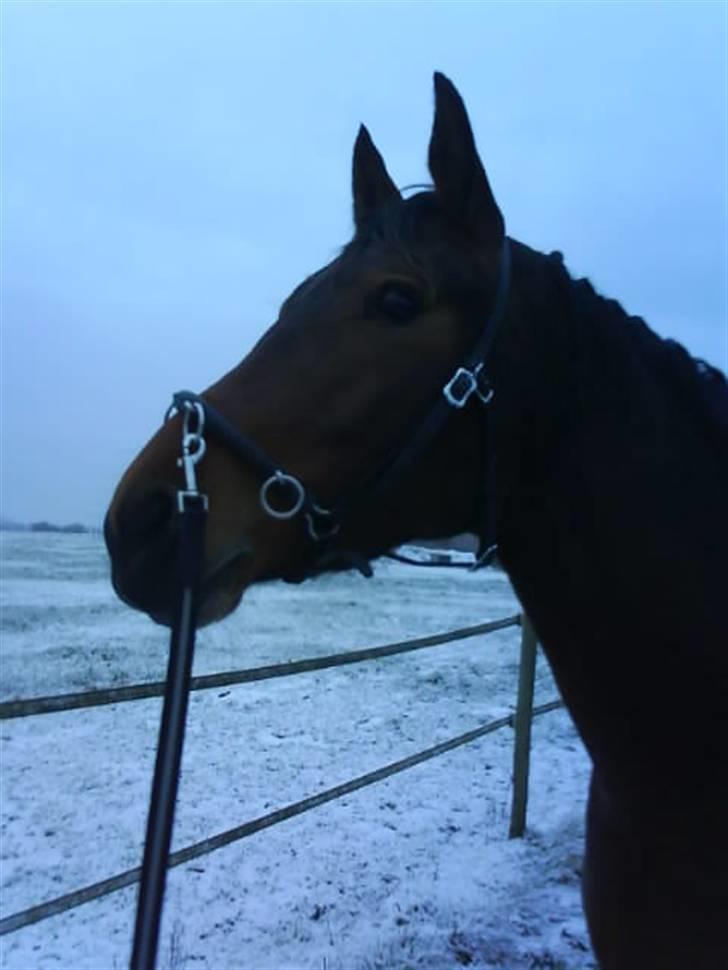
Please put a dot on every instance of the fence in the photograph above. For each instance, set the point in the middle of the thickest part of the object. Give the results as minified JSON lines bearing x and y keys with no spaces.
{"x":521,"y":721}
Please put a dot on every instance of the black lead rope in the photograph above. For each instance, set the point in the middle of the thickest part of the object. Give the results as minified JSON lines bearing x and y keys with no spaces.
{"x":193,"y":513}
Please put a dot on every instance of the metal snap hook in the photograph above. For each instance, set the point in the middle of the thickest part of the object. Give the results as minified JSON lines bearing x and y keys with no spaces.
{"x":193,"y":420}
{"x":193,"y":448}
{"x":281,"y":479}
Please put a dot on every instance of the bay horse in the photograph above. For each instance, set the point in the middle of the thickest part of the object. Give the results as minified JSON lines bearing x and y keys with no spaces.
{"x":438,"y":377}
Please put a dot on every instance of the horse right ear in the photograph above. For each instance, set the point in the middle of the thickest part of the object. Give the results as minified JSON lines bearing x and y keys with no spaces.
{"x":456,"y":168}
{"x":371,"y":183}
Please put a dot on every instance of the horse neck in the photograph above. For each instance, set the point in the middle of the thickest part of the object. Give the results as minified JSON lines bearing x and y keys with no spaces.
{"x":612,"y":523}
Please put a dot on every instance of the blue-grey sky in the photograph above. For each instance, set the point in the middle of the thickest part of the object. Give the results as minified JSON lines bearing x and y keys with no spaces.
{"x":171,"y":170}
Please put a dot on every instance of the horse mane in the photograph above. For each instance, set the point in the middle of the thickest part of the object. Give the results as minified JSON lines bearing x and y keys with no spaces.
{"x":696,"y":384}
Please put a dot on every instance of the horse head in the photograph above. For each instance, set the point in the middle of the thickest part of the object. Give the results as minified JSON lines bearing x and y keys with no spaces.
{"x":335,"y":392}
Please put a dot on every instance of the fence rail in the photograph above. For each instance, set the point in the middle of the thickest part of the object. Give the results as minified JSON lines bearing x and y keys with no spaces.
{"x":435,"y":563}
{"x":105,"y":887}
{"x":520,"y":721}
{"x":135,"y":692}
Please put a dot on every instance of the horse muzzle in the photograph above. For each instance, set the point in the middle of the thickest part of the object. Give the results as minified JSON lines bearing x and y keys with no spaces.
{"x":142,"y":540}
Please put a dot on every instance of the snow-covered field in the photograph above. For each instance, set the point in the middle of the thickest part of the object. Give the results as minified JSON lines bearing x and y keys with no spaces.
{"x":414,"y":872}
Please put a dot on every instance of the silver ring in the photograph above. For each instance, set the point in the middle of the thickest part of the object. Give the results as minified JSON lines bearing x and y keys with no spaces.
{"x":280,"y":478}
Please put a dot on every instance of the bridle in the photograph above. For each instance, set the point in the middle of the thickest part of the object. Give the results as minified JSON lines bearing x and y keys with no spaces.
{"x":283,"y":496}
{"x":323,"y":524}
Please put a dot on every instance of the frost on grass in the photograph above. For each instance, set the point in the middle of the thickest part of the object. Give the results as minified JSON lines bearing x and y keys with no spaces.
{"x":416,"y":871}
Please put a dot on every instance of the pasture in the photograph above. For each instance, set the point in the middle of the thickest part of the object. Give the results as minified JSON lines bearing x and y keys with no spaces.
{"x":413,"y":872}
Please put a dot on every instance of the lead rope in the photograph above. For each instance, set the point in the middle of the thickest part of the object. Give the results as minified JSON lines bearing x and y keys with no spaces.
{"x":192,"y":508}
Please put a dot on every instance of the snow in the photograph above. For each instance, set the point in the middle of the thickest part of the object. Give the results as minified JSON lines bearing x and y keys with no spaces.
{"x":416,"y":871}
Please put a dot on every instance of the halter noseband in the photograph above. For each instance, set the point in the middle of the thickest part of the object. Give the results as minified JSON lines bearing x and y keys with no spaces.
{"x":283,"y":496}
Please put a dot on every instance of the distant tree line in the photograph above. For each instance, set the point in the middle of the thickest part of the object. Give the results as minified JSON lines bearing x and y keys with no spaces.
{"x":75,"y":528}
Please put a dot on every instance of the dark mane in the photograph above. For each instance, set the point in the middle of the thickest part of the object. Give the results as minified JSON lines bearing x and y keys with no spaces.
{"x":699,"y":387}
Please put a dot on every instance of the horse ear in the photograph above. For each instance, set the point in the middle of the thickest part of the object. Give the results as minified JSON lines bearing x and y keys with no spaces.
{"x":456,"y":169}
{"x":371,"y":183}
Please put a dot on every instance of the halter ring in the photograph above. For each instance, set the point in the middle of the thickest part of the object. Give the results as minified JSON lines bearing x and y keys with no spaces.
{"x":287,"y":481}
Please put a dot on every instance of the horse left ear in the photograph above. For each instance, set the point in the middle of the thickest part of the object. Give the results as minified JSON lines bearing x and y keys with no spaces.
{"x":371,"y":183}
{"x":456,"y":169}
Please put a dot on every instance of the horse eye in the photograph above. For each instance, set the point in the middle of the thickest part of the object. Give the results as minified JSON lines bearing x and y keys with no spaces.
{"x":398,"y":302}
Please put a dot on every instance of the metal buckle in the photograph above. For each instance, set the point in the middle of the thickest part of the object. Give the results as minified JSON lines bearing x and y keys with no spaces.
{"x":315,"y":531}
{"x":485,"y":558}
{"x":287,"y":481}
{"x":464,"y":383}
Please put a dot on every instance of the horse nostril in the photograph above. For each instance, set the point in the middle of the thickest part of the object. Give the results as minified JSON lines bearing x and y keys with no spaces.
{"x":143,"y":517}
{"x":141,"y":538}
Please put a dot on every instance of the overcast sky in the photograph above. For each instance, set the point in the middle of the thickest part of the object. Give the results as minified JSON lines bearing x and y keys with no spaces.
{"x":171,"y":170}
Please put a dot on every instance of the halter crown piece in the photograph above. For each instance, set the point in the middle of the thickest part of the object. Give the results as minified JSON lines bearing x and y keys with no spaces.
{"x":283,"y":496}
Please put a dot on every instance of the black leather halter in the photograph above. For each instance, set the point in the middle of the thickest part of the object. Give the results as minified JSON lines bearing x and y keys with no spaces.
{"x":283,"y":496}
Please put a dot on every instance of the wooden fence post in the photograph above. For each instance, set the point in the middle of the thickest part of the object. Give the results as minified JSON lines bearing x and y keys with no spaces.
{"x":522,"y":725}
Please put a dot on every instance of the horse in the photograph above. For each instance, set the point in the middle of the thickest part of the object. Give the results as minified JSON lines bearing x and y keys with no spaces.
{"x":439,"y":377}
